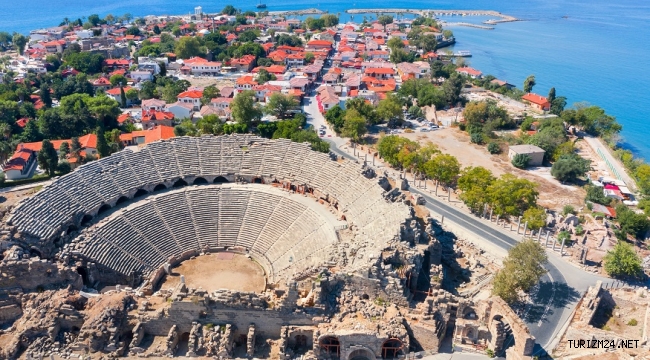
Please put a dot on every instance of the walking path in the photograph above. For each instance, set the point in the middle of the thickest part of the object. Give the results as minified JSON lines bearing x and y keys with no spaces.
{"x":559,"y":290}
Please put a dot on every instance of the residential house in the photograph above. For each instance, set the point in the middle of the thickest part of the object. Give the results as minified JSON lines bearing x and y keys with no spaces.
{"x":471,"y":72}
{"x":208,"y":68}
{"x":244,"y":83}
{"x":141,"y":75}
{"x":191,"y":97}
{"x":296,"y":59}
{"x":113,"y":64}
{"x":143,"y":137}
{"x":317,"y":45}
{"x":535,"y":153}
{"x":102,"y":83}
{"x":538,"y":102}
{"x":153,"y":104}
{"x":502,"y":83}
{"x":418,"y":69}
{"x":180,"y":110}
{"x":326,"y":98}
{"x":380,"y":73}
{"x":221,"y":103}
{"x":24,"y":160}
{"x":299,"y":83}
{"x":152,"y":118}
{"x":263,"y":92}
{"x":245,"y":63}
{"x":116,"y":94}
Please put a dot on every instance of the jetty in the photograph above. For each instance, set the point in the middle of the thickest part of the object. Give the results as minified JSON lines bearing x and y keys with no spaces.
{"x":312,"y":11}
{"x":500,"y":18}
{"x":468,"y":25}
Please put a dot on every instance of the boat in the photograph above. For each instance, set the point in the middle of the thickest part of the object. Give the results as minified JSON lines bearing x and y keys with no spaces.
{"x":463,"y":53}
{"x":261,"y":6}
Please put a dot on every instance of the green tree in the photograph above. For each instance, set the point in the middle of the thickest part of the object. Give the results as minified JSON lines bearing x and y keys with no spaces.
{"x":64,"y":150}
{"x":229,"y":10}
{"x":354,"y":126}
{"x":520,"y":161}
{"x":510,"y":195}
{"x":493,"y":148}
{"x":529,"y":83}
{"x":630,"y":223}
{"x":187,"y":47}
{"x":642,"y":175}
{"x":551,"y":95}
{"x":335,"y":116}
{"x":385,"y":20}
{"x":118,"y":80}
{"x":47,"y":157}
{"x":243,"y":108}
{"x":568,"y":168}
{"x":280,"y":104}
{"x":595,"y":194}
{"x":19,"y":41}
{"x":330,"y":20}
{"x":389,"y":147}
{"x":132,"y":95}
{"x":522,"y":269}
{"x":45,"y":95}
{"x":452,"y":87}
{"x":102,"y":145}
{"x":309,"y":57}
{"x":63,"y":167}
{"x":263,"y":76}
{"x":122,"y":97}
{"x":415,"y":111}
{"x":473,"y":183}
{"x":622,"y":261}
{"x":443,"y":168}
{"x":209,"y":92}
{"x":389,"y":108}
{"x":536,"y":217}
{"x":395,"y":43}
{"x":156,"y":30}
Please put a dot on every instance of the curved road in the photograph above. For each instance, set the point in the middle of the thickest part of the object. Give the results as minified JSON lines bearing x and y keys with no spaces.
{"x":559,"y":290}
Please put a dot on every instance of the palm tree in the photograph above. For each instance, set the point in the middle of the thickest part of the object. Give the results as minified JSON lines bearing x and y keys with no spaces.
{"x":66,"y":20}
{"x":5,"y":130}
{"x":5,"y":151}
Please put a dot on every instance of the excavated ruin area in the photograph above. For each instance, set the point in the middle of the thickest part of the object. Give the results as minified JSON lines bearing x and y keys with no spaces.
{"x":218,"y":271}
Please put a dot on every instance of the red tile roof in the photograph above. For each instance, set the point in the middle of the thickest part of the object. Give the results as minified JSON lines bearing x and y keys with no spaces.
{"x":194,"y":94}
{"x":536,"y":99}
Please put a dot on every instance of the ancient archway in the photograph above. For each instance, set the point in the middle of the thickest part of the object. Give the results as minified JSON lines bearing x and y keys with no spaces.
{"x":86,"y":220}
{"x":103,"y":208}
{"x":220,"y":180}
{"x":160,"y":187}
{"x":507,"y":331}
{"x":392,"y":348}
{"x":258,"y":181}
{"x":122,"y":200}
{"x":330,"y":346}
{"x":200,"y":181}
{"x":141,"y":192}
{"x":180,"y":183}
{"x":361,"y":354}
{"x":84,"y":275}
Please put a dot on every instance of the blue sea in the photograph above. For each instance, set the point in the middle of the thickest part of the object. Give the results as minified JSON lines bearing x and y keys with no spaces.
{"x":596,"y":51}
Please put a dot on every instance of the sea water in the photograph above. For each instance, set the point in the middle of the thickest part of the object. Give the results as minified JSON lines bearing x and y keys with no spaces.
{"x":596,"y":51}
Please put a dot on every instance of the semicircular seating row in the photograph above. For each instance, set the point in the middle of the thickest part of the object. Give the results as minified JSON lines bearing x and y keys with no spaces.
{"x":274,"y":227}
{"x":67,"y":199}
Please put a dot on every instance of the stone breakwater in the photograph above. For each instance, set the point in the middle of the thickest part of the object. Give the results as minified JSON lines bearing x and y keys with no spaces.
{"x":432,"y":12}
{"x":312,"y":11}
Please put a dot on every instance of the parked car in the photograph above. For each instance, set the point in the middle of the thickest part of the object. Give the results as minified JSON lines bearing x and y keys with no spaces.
{"x":424,"y":130}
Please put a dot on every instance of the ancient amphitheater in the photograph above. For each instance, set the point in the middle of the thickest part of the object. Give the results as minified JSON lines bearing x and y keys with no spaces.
{"x":348,"y":271}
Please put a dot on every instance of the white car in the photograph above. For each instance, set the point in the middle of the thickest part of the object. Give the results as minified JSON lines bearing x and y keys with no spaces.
{"x":424,"y":130}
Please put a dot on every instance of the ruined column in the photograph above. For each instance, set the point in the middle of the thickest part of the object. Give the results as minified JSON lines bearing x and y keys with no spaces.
{"x":491,"y":210}
{"x":562,"y":248}
{"x":442,"y":220}
{"x":525,"y":228}
{"x":548,"y":234}
{"x":448,"y":194}
{"x":497,"y":220}
{"x":539,"y":235}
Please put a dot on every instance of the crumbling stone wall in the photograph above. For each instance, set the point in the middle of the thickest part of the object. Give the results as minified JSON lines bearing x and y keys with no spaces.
{"x":34,"y":273}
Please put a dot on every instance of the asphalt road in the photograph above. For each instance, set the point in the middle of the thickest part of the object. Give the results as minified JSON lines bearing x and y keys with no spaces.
{"x":558,"y":291}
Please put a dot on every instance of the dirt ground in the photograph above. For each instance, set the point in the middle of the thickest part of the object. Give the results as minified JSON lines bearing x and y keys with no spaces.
{"x":218,"y":271}
{"x":553,"y":194}
{"x":203,"y":82}
{"x":8,"y":199}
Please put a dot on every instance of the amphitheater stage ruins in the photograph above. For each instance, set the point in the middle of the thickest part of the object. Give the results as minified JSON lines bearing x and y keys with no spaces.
{"x":238,"y":246}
